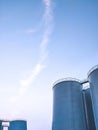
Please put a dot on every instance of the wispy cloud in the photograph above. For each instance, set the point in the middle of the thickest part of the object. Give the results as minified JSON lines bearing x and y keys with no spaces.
{"x":48,"y":24}
{"x":48,"y":20}
{"x":35,"y":72}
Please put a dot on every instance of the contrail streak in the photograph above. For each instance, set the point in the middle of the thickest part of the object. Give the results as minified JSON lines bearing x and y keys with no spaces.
{"x":48,"y":24}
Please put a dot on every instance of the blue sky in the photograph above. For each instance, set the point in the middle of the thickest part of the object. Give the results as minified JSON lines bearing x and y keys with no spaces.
{"x":42,"y":41}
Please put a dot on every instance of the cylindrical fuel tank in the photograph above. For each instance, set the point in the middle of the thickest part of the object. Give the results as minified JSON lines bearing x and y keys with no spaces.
{"x":68,"y":106}
{"x":1,"y":127}
{"x":93,"y":80}
{"x":18,"y":125}
{"x":89,"y":109}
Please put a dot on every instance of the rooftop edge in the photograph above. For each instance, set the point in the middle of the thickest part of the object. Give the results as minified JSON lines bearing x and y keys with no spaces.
{"x":66,"y":79}
{"x":92,"y":69}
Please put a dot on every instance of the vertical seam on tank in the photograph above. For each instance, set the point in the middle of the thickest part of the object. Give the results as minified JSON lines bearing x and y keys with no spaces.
{"x":85,"y":110}
{"x":93,"y":107}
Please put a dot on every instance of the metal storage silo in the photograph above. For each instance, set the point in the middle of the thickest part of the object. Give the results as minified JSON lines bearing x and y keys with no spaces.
{"x":5,"y":124}
{"x":93,"y":80}
{"x":1,"y":127}
{"x":68,"y":106}
{"x":18,"y":125}
{"x":89,"y":109}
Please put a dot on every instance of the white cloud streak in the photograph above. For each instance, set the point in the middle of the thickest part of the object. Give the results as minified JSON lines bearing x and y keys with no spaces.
{"x":48,"y":20}
{"x":48,"y":23}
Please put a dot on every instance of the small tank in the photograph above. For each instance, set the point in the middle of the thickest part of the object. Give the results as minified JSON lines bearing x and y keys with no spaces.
{"x":1,"y":127}
{"x":18,"y":125}
{"x":68,"y":106}
{"x":93,"y":80}
{"x":88,"y":109}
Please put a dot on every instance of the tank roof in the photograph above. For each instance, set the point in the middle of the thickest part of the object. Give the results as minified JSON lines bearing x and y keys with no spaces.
{"x":6,"y":120}
{"x":92,"y":69}
{"x":21,"y":120}
{"x":66,"y":79}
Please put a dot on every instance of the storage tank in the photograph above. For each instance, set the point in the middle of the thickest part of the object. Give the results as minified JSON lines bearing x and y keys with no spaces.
{"x":93,"y":80}
{"x":18,"y":125}
{"x":89,"y":109}
{"x":5,"y":124}
{"x":68,"y":106}
{"x":1,"y":128}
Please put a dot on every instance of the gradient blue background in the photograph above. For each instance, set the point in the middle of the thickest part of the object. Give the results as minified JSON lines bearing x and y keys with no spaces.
{"x":72,"y":50}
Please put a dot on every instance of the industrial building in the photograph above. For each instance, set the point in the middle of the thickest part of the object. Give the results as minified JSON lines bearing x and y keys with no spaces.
{"x":13,"y":125}
{"x":76,"y":107}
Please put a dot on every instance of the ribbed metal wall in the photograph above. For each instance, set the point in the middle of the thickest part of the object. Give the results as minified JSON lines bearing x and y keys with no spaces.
{"x":1,"y":128}
{"x":93,"y":79}
{"x":18,"y":125}
{"x":89,"y":109}
{"x":68,"y":107}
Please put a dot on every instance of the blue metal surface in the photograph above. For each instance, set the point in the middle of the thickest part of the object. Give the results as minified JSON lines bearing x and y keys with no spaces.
{"x":68,"y":106}
{"x":18,"y":125}
{"x":93,"y":79}
{"x":89,"y":109}
{"x":1,"y":128}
